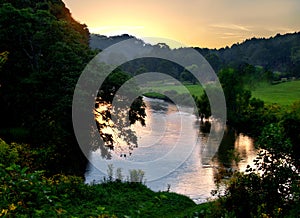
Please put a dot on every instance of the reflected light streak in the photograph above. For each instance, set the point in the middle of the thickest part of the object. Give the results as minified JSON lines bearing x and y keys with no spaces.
{"x":244,"y":145}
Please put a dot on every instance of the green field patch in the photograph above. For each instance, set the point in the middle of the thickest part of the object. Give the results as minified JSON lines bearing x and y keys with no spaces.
{"x":284,"y":93}
{"x":165,"y":89}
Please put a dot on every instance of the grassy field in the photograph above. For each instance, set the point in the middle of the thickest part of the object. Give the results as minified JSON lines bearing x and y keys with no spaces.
{"x":162,"y":88}
{"x":284,"y":93}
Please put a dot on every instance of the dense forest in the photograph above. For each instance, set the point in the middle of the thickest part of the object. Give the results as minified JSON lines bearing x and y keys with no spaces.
{"x":43,"y":51}
{"x":46,"y":52}
{"x":278,"y":54}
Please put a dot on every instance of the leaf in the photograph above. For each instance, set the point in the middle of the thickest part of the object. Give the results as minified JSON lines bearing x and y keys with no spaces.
{"x":10,"y":168}
{"x":163,"y":196}
{"x":100,"y":208}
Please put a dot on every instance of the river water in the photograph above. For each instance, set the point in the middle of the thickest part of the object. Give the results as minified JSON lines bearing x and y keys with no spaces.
{"x":175,"y":131}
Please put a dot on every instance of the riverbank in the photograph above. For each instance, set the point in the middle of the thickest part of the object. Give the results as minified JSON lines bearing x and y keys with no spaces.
{"x":29,"y":193}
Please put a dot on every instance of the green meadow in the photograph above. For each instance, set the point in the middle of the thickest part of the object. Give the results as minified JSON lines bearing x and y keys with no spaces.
{"x":283,"y":93}
{"x":158,"y":89}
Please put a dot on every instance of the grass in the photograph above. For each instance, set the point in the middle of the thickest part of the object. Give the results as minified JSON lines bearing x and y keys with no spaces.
{"x":158,"y":89}
{"x":135,"y":200}
{"x":284,"y":93}
{"x":26,"y":193}
{"x":29,"y":193}
{"x":195,"y":90}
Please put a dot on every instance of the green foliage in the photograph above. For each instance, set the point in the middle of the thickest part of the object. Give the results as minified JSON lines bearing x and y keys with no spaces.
{"x":203,"y":106}
{"x":29,"y":193}
{"x":3,"y":58}
{"x":10,"y":155}
{"x":291,"y":125}
{"x":47,"y":52}
{"x":271,"y":188}
{"x":295,"y":59}
{"x":186,"y":76}
{"x":156,"y":95}
{"x":237,"y":98}
{"x":278,"y":53}
{"x":119,"y":128}
{"x":226,"y":148}
{"x":136,"y":176}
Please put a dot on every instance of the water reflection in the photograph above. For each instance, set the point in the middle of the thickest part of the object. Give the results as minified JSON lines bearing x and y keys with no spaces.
{"x":165,"y":125}
{"x":225,"y":153}
{"x":246,"y":151}
{"x":191,"y":178}
{"x":236,"y":151}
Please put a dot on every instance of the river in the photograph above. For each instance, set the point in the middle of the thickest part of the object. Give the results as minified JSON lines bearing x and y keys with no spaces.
{"x":182,"y":172}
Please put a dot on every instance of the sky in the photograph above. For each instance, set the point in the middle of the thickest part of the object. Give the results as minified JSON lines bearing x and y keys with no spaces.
{"x":201,"y":23}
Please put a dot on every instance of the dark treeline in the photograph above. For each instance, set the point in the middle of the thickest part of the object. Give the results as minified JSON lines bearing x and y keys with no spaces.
{"x":46,"y":53}
{"x":43,"y":53}
{"x":276,"y":54}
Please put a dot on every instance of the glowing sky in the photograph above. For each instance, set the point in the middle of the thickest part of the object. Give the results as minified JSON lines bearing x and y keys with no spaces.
{"x":203,"y":23}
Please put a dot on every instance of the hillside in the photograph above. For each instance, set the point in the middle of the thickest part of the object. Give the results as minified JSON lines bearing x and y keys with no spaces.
{"x":284,"y":93}
{"x":280,"y":53}
{"x":101,"y":42}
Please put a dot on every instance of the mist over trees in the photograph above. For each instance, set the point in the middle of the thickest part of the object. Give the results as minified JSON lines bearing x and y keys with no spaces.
{"x":280,"y":53}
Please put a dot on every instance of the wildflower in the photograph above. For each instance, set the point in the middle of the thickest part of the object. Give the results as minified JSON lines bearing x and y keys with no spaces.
{"x":12,"y":207}
{"x":4,"y":212}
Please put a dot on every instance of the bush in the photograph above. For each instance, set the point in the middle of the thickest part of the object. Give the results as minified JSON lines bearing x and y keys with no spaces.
{"x":271,"y":189}
{"x":29,"y":193}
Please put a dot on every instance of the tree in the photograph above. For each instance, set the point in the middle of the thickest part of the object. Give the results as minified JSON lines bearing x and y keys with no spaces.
{"x":203,"y":106}
{"x":295,"y":58}
{"x":48,"y":50}
{"x":3,"y":59}
{"x":214,"y":60}
{"x":112,"y":131}
{"x":291,"y":124}
{"x":236,"y":97}
{"x":187,"y":76}
{"x":270,"y":188}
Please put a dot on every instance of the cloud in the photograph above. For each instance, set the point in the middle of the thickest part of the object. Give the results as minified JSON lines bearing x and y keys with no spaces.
{"x":115,"y":28}
{"x":279,"y":30}
{"x":231,"y":27}
{"x":230,"y":34}
{"x":230,"y":31}
{"x":230,"y":37}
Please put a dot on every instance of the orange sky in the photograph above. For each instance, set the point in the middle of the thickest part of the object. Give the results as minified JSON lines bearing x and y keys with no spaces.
{"x":203,"y":23}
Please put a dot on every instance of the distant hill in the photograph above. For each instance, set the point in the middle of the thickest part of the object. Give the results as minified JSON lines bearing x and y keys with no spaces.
{"x":280,"y":53}
{"x":101,"y":42}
